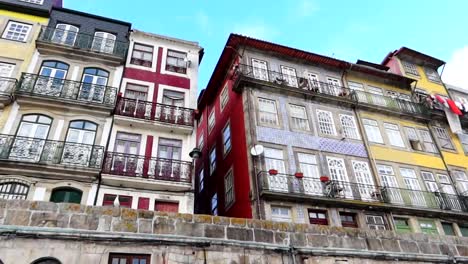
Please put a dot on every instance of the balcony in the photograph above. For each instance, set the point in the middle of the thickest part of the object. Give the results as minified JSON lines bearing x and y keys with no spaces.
{"x":172,"y":117}
{"x":50,"y":152}
{"x":337,"y":191}
{"x":60,"y":90}
{"x":72,"y":43}
{"x":7,"y":87}
{"x":327,"y":90}
{"x":147,"y":172}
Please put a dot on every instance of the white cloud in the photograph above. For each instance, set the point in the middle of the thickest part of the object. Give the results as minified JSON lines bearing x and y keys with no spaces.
{"x":306,"y":8}
{"x":456,"y":70}
{"x":258,"y":30}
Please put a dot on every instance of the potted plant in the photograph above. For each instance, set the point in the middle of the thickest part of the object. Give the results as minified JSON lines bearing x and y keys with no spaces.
{"x":324,"y":178}
{"x":299,"y":175}
{"x":273,"y":172}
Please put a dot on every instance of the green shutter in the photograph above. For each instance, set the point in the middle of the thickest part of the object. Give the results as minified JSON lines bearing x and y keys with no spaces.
{"x":428,"y":227}
{"x":402,"y":225}
{"x":464,"y":231}
{"x":66,"y":196}
{"x":448,"y":229}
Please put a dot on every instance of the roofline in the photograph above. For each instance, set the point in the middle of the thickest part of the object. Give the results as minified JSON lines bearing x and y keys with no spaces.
{"x":163,"y":37}
{"x":456,"y":88}
{"x":25,"y":9}
{"x":402,"y":50}
{"x":93,"y":16}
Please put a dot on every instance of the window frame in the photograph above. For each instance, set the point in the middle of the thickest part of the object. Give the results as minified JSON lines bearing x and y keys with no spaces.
{"x":375,"y":128}
{"x":125,"y":204}
{"x":214,"y":204}
{"x":201,"y":180}
{"x":35,"y":2}
{"x":283,"y":161}
{"x":317,"y":220}
{"x":321,"y":123}
{"x":224,"y":97}
{"x":375,"y":224}
{"x":130,"y":257}
{"x":354,"y":127}
{"x":211,"y":120}
{"x":201,"y":141}
{"x":439,"y":133}
{"x":142,"y":64}
{"x":268,"y":114}
{"x":228,"y":140}
{"x":407,"y":229}
{"x":211,"y":154}
{"x":18,"y":189}
{"x":177,"y":68}
{"x":279,"y":217}
{"x":292,"y":118}
{"x":410,"y":68}
{"x":432,"y":75}
{"x":350,"y":224}
{"x":229,"y":189}
{"x":395,"y":129}
{"x":7,"y":30}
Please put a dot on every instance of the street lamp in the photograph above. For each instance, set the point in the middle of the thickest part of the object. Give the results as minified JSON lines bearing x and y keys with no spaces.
{"x":195,"y":153}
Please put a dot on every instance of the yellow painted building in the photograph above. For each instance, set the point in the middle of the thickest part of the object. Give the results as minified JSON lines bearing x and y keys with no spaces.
{"x":19,"y":29}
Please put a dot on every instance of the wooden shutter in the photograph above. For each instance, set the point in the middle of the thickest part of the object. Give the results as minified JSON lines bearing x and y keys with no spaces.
{"x":166,"y":206}
{"x":143,"y":203}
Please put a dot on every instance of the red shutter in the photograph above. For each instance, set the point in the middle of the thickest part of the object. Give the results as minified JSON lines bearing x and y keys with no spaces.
{"x":108,"y":199}
{"x":166,"y":206}
{"x":143,"y":203}
{"x":125,"y":201}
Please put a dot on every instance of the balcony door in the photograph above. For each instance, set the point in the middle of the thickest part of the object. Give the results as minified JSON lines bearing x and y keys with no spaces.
{"x":309,"y":167}
{"x":364,"y":179}
{"x":337,"y":169}
{"x":79,"y":143}
{"x":51,"y":79}
{"x":172,"y":101}
{"x":6,"y":71}
{"x":94,"y":83}
{"x":65,"y":34}
{"x":168,"y":166}
{"x":127,"y":147}
{"x":104,"y":42}
{"x":415,"y":193}
{"x":260,"y":69}
{"x":134,"y":103}
{"x":390,"y":193}
{"x":30,"y":138}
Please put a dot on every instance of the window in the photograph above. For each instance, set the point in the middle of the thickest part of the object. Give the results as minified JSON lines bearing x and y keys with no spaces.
{"x":268,"y":114}
{"x":176,"y":61}
{"x":227,"y":139}
{"x":448,"y":229}
{"x":260,"y":69}
{"x":281,"y":214}
{"x":94,"y":85}
{"x":136,"y":92}
{"x":214,"y":204}
{"x":299,"y":117}
{"x":6,"y":70}
{"x":376,"y":96}
{"x":334,"y":86}
{"x":356,"y":86}
{"x":31,"y":126}
{"x":308,"y":165}
{"x":313,"y":79}
{"x":447,"y":186}
{"x":461,"y":181}
{"x":372,"y":130}
{"x":224,"y":97}
{"x":394,"y":135}
{"x":289,"y":75}
{"x":430,"y":182}
{"x":81,"y":132}
{"x":410,"y":68}
{"x":375,"y":222}
{"x":143,"y":203}
{"x":229,"y":189}
{"x":201,"y":180}
{"x":428,"y":227}
{"x":124,"y":201}
{"x":463,"y":139}
{"x":318,"y":217}
{"x":464,"y":230}
{"x":165,"y":206}
{"x":142,"y":55}
{"x":402,"y":225}
{"x":432,"y":75}
{"x":274,"y":160}
{"x":200,"y":121}
{"x":212,"y":160}
{"x":363,"y":176}
{"x":349,"y":127}
{"x":37,"y":2}
{"x":46,"y":260}
{"x":104,"y":42}
{"x":169,"y":149}
{"x":444,"y":138}
{"x":413,"y":138}
{"x":211,"y":120}
{"x":16,"y":31}
{"x":117,"y":258}
{"x":13,"y":189}
{"x":65,"y":34}
{"x":348,"y":220}
{"x":337,"y":169}
{"x":428,"y":144}
{"x":66,"y":195}
{"x":174,"y":98}
{"x":201,"y":141}
{"x":326,"y":124}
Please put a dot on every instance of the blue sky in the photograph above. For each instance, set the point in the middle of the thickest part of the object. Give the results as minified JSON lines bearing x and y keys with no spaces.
{"x":348,"y":30}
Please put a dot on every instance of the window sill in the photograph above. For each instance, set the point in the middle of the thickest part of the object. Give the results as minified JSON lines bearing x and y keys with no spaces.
{"x":18,"y":41}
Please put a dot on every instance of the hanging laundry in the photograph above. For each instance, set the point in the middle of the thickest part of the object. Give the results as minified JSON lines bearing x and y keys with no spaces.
{"x":454,"y":107}
{"x":465,"y":107}
{"x":454,"y":121}
{"x":441,"y":100}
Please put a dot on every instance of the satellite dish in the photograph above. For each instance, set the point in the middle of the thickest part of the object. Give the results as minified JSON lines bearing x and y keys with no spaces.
{"x":256,"y":150}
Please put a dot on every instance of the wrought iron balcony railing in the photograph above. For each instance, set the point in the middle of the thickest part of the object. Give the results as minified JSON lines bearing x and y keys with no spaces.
{"x":317,"y":87}
{"x":34,"y":84}
{"x":154,"y":111}
{"x":306,"y":186}
{"x":7,"y":86}
{"x":147,"y":167}
{"x":44,"y":151}
{"x":295,"y":81}
{"x":83,"y":41}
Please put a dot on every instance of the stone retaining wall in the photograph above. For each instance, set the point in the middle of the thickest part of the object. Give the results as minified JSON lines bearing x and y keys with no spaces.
{"x":74,"y":227}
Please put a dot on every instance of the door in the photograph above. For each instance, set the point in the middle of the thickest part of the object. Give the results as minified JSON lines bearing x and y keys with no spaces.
{"x":376,"y":96}
{"x":65,"y":34}
{"x":363,"y":176}
{"x":334,"y":87}
{"x":126,"y":160}
{"x":6,"y":71}
{"x":414,"y":191}
{"x":134,"y":102}
{"x":289,"y":74}
{"x":309,"y":167}
{"x":337,"y":169}
{"x":260,"y":69}
{"x":79,"y":143}
{"x":94,"y":84}
{"x":52,"y":78}
{"x":104,"y":42}
{"x":172,"y":107}
{"x":314,"y":83}
{"x":169,"y":166}
{"x":390,"y":193}
{"x":30,"y":138}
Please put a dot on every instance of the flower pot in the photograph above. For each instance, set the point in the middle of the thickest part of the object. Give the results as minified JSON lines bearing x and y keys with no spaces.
{"x":299,"y":175}
{"x":324,"y":178}
{"x":272,"y":172}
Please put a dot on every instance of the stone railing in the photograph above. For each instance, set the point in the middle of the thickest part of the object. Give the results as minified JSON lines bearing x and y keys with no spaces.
{"x":86,"y":234}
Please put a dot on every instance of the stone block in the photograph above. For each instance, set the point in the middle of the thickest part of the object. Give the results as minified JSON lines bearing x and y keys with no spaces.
{"x":44,"y":219}
{"x":145,"y":214}
{"x":236,"y":233}
{"x":71,"y":208}
{"x":428,"y":248}
{"x":374,"y":244}
{"x":302,"y":228}
{"x":462,"y":250}
{"x":18,"y":204}
{"x":163,"y":225}
{"x":104,"y":223}
{"x":318,"y":229}
{"x":298,"y":239}
{"x":103,"y":210}
{"x":283,"y":226}
{"x":254,"y":223}
{"x":145,"y":226}
{"x":448,"y":250}
{"x":264,"y":236}
{"x":3,"y":203}
{"x":314,"y":240}
{"x":409,"y":246}
{"x":215,"y":231}
{"x":124,"y":225}
{"x":241,"y":222}
{"x":189,"y":229}
{"x":419,"y":237}
{"x":390,"y":245}
{"x":17,"y":217}
{"x":282,"y":238}
{"x":204,"y":219}
{"x":43,"y":206}
{"x":266,"y":224}
{"x":84,"y":221}
{"x":221,"y":220}
{"x":128,"y":214}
